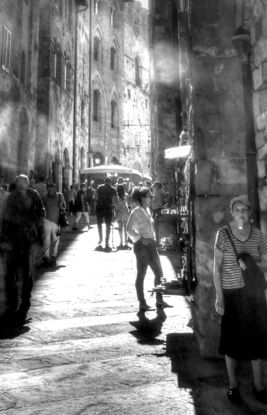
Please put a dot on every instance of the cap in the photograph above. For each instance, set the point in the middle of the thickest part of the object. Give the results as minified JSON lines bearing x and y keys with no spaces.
{"x":240,"y":199}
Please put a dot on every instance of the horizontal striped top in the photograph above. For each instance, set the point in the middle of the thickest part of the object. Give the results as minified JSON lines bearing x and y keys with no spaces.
{"x":255,"y":245}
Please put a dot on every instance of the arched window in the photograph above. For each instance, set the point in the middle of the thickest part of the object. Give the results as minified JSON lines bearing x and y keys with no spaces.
{"x":82,"y":112}
{"x":82,"y":158}
{"x":138,"y":75}
{"x":57,"y":63}
{"x":67,"y":75}
{"x":96,"y":6}
{"x":23,"y":68}
{"x":66,"y":59}
{"x":114,"y":114}
{"x":113,"y":17}
{"x":23,"y":143}
{"x":70,"y":13}
{"x":60,"y":7}
{"x":112,"y":58}
{"x":96,"y":48}
{"x":96,"y":105}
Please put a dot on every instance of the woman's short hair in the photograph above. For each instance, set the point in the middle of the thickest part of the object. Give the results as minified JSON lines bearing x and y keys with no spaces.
{"x":240,"y":199}
{"x":139,"y":193}
{"x":120,"y":191}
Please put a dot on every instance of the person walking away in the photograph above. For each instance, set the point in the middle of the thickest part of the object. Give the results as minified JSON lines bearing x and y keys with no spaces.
{"x":81,"y":207}
{"x":157,"y":205}
{"x":121,"y":216}
{"x":53,"y":203}
{"x":106,"y":200}
{"x":90,"y":195}
{"x":140,"y":228}
{"x":22,"y":229}
{"x":71,"y":200}
{"x":240,"y":252}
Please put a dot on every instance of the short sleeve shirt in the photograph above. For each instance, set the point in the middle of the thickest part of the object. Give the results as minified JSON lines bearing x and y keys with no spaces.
{"x":105,"y":194}
{"x":255,"y":245}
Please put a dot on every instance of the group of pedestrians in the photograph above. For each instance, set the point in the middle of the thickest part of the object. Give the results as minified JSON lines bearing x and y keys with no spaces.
{"x":30,"y":218}
{"x":29,"y":222}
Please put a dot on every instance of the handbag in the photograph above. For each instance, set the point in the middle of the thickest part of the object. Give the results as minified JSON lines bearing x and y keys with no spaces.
{"x":253,"y":277}
{"x":62,"y":218}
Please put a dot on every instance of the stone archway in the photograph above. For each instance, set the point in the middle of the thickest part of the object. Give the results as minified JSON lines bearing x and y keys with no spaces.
{"x":23,"y":142}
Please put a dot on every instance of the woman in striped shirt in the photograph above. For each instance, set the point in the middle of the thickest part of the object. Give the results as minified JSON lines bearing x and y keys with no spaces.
{"x":240,"y":338}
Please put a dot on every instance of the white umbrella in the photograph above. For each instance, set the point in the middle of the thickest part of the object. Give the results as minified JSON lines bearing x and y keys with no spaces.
{"x":110,"y":169}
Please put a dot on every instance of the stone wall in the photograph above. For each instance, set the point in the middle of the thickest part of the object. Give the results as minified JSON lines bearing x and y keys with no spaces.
{"x":136,"y":146}
{"x":105,"y":137}
{"x":165,"y":88}
{"x":18,"y":85}
{"x":216,"y":121}
{"x":257,"y":26}
{"x":18,"y":82}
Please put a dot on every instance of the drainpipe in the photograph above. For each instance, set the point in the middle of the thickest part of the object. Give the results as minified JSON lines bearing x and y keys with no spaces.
{"x":84,"y":4}
{"x":241,"y":42}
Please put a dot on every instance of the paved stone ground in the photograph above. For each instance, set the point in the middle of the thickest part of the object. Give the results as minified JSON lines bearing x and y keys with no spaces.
{"x":85,"y":350}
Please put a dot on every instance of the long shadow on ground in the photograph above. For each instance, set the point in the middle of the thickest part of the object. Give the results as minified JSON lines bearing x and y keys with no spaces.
{"x":207,"y":379}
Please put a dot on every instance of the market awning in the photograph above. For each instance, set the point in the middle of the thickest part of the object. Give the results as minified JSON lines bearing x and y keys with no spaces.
{"x":110,"y":169}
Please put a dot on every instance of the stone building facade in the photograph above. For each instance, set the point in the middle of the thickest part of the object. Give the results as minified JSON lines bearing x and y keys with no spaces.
{"x":120,"y":115}
{"x":61,"y":144}
{"x":64,"y":87}
{"x":222,"y":103}
{"x":136,"y":130}
{"x":165,"y":120}
{"x":18,"y":79}
{"x":255,"y":22}
{"x":106,"y":80}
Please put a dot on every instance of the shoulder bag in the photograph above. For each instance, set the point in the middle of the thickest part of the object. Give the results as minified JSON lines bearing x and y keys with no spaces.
{"x":253,"y":277}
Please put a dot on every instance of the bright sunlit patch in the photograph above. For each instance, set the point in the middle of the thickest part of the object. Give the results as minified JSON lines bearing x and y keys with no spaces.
{"x":144,"y":3}
{"x":177,"y":152}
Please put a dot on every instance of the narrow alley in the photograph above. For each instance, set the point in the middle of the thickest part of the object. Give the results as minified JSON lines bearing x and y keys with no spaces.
{"x":82,"y":350}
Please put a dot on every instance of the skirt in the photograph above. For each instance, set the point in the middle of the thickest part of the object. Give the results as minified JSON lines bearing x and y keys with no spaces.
{"x":243,"y":326}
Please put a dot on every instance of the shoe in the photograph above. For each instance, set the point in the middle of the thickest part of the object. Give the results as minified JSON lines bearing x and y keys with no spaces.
{"x":126,"y":247}
{"x":145,"y":307}
{"x":234,"y":396}
{"x":99,"y":248}
{"x":120,"y":246}
{"x":7,"y":319}
{"x":46,"y":262}
{"x":20,"y":317}
{"x":107,"y":248}
{"x":74,"y":228}
{"x":261,"y":395}
{"x":53,"y":261}
{"x":163,"y":304}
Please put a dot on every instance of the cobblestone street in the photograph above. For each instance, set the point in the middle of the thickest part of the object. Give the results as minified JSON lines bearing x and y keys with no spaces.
{"x":81,"y":352}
